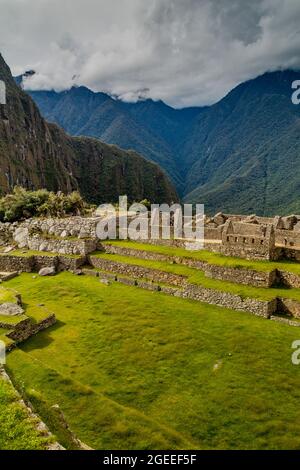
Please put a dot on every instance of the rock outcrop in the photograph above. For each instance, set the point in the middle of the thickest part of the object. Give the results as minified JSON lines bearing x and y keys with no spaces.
{"x":35,"y":154}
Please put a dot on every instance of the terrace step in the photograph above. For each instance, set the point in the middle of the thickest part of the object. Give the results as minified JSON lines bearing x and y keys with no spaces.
{"x":231,"y":273}
{"x":180,"y":285}
{"x":7,"y":276}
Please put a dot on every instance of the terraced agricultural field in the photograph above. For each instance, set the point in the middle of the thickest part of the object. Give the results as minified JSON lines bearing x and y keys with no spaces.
{"x":209,"y":257}
{"x":17,"y":430}
{"x":196,"y":276}
{"x":133,"y":369}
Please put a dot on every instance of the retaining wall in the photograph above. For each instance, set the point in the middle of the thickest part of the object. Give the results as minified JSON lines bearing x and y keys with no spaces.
{"x":223,"y":299}
{"x":137,"y":271}
{"x":223,"y":273}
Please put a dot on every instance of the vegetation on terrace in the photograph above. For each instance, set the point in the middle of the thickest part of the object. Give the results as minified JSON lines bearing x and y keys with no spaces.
{"x":7,"y":295}
{"x":132,"y":369}
{"x":17,"y":430}
{"x":211,"y":258}
{"x":196,"y":276}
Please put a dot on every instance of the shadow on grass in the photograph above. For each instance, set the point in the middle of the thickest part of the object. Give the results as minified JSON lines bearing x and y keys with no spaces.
{"x":42,"y":339}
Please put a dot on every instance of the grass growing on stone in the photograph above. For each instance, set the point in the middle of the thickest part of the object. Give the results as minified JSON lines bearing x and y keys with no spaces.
{"x":196,"y":276}
{"x":133,"y":369}
{"x":7,"y":296}
{"x":211,"y":258}
{"x":17,"y":431}
{"x":12,"y":320}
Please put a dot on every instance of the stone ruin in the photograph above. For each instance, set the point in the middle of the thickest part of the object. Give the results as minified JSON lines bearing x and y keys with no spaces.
{"x":254,"y":237}
{"x":250,"y":237}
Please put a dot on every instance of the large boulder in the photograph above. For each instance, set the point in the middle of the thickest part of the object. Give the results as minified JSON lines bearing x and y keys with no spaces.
{"x":21,"y":237}
{"x":11,"y":309}
{"x":49,"y":271}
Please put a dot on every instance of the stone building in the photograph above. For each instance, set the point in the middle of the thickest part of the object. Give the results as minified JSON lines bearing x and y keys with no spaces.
{"x":248,"y":240}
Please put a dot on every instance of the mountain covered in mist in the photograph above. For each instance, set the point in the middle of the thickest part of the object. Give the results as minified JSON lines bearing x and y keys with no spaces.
{"x":36,"y":154}
{"x":240,"y":155}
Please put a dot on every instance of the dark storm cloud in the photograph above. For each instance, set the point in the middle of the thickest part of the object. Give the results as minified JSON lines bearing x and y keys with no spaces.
{"x":185,"y":52}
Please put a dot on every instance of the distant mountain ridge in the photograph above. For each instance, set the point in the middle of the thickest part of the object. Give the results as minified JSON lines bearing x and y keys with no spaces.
{"x":36,"y":154}
{"x":240,"y":155}
{"x":150,"y":128}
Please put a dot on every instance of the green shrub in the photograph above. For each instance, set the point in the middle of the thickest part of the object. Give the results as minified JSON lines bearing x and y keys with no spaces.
{"x":23,"y":204}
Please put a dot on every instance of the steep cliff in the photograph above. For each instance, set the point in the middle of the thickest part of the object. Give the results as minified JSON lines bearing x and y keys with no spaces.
{"x":35,"y":154}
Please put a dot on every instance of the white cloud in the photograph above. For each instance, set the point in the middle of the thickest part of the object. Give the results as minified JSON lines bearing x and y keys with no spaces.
{"x":185,"y":52}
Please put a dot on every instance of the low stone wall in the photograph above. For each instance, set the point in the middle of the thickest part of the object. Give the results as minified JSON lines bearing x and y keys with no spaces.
{"x":45,"y":261}
{"x":16,"y":263}
{"x":26,"y":329}
{"x":28,"y":264}
{"x":70,"y":264}
{"x":222,"y":299}
{"x":62,"y":246}
{"x":241,"y":275}
{"x":290,"y":307}
{"x":35,"y":420}
{"x":285,"y":321}
{"x":223,"y":273}
{"x":137,"y":271}
{"x":288,"y":279}
{"x":225,"y":299}
{"x":81,"y":227}
{"x":23,"y":325}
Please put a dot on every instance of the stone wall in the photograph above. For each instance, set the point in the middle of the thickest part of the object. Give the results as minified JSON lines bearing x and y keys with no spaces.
{"x":12,"y":263}
{"x":62,"y":246}
{"x":242,"y":275}
{"x":288,"y":238}
{"x":6,"y":233}
{"x":28,"y":264}
{"x":80,"y":227}
{"x":212,"y":233}
{"x":223,"y":299}
{"x":290,"y":307}
{"x":27,"y":328}
{"x":250,"y":241}
{"x":291,"y":254}
{"x":288,"y":279}
{"x":223,"y":273}
{"x":137,"y":271}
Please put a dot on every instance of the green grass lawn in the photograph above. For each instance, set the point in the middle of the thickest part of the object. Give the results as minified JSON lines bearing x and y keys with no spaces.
{"x":133,"y":369}
{"x":209,"y":257}
{"x":17,"y":431}
{"x":7,"y":295}
{"x":195,"y":276}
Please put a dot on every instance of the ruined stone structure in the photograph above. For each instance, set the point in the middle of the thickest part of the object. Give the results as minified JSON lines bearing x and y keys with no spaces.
{"x":250,"y":237}
{"x":254,"y":237}
{"x":250,"y":241}
{"x":69,"y":244}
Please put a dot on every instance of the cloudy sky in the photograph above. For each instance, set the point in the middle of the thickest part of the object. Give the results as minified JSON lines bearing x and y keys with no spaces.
{"x":185,"y":52}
